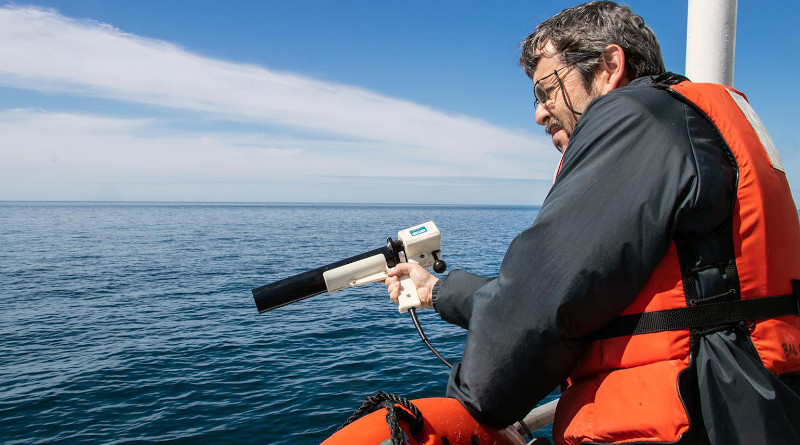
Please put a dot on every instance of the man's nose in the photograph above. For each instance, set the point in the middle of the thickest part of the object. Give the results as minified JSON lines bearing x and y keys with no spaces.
{"x":541,"y":113}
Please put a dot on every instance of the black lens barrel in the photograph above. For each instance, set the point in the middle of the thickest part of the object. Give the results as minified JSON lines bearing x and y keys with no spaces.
{"x":308,"y":284}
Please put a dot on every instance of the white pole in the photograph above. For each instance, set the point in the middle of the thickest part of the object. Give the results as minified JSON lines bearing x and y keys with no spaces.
{"x":711,"y":41}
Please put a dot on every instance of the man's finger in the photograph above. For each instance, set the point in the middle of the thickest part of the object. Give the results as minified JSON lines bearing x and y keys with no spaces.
{"x":400,"y":269}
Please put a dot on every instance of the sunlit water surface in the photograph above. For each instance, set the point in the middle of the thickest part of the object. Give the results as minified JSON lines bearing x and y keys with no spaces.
{"x":135,"y":322}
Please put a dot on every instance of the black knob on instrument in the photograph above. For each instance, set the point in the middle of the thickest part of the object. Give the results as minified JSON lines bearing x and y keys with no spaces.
{"x":439,"y":266}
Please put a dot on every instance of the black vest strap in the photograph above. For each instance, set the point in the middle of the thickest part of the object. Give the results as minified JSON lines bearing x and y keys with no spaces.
{"x":712,"y":314}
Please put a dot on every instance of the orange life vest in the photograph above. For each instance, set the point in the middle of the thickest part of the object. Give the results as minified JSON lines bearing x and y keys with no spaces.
{"x":626,"y":388}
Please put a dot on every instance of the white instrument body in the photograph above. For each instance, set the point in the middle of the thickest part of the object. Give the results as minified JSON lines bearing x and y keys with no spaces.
{"x":419,"y":243}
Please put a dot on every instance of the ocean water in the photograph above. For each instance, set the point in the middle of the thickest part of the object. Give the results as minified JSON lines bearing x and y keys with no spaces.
{"x":134,"y":322}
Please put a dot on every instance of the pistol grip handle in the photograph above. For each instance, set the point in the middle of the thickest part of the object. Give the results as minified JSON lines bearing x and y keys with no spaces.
{"x":408,"y":295}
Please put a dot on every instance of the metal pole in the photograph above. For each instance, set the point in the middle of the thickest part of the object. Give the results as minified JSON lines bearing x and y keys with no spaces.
{"x":711,"y":41}
{"x":539,"y":417}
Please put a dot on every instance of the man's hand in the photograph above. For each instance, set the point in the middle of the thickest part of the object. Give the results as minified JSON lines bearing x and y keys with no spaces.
{"x":423,"y":279}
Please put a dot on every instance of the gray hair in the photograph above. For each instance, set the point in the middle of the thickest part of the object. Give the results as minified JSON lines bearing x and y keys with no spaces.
{"x":582,"y":33}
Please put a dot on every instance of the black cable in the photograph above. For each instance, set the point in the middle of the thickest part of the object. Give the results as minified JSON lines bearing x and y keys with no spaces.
{"x":414,"y":318}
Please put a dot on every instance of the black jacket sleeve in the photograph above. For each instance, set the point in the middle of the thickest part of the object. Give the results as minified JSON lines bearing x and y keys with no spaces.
{"x":628,"y":175}
{"x":459,"y":287}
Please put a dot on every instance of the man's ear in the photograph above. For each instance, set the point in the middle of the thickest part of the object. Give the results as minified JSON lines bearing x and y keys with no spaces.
{"x":611,"y":74}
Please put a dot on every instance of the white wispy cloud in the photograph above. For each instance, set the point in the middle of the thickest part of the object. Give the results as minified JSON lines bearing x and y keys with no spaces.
{"x":55,"y":155}
{"x":136,"y":148}
{"x":355,"y":131}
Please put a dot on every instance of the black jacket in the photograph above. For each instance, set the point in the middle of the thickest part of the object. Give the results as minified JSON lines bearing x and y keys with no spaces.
{"x":641,"y":169}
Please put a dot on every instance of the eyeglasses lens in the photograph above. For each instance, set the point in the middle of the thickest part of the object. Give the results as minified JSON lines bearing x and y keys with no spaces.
{"x":540,"y":93}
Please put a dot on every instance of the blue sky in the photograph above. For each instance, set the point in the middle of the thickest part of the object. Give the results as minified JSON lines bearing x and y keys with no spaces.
{"x":311,"y":101}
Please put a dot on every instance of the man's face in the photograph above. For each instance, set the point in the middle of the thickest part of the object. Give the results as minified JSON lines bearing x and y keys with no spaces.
{"x":554,"y":114}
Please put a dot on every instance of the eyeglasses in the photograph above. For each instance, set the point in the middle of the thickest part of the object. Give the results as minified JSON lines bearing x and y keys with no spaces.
{"x":540,"y":92}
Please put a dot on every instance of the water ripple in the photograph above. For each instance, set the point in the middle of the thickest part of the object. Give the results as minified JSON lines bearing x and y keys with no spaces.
{"x":133,"y":323}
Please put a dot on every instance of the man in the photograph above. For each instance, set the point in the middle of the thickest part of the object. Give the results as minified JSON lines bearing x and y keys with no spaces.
{"x":655,"y":285}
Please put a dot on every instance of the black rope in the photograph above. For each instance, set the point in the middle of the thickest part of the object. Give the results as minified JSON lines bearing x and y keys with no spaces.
{"x":406,"y":411}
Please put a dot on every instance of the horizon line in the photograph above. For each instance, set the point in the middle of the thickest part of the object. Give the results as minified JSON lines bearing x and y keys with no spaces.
{"x":264,"y":203}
